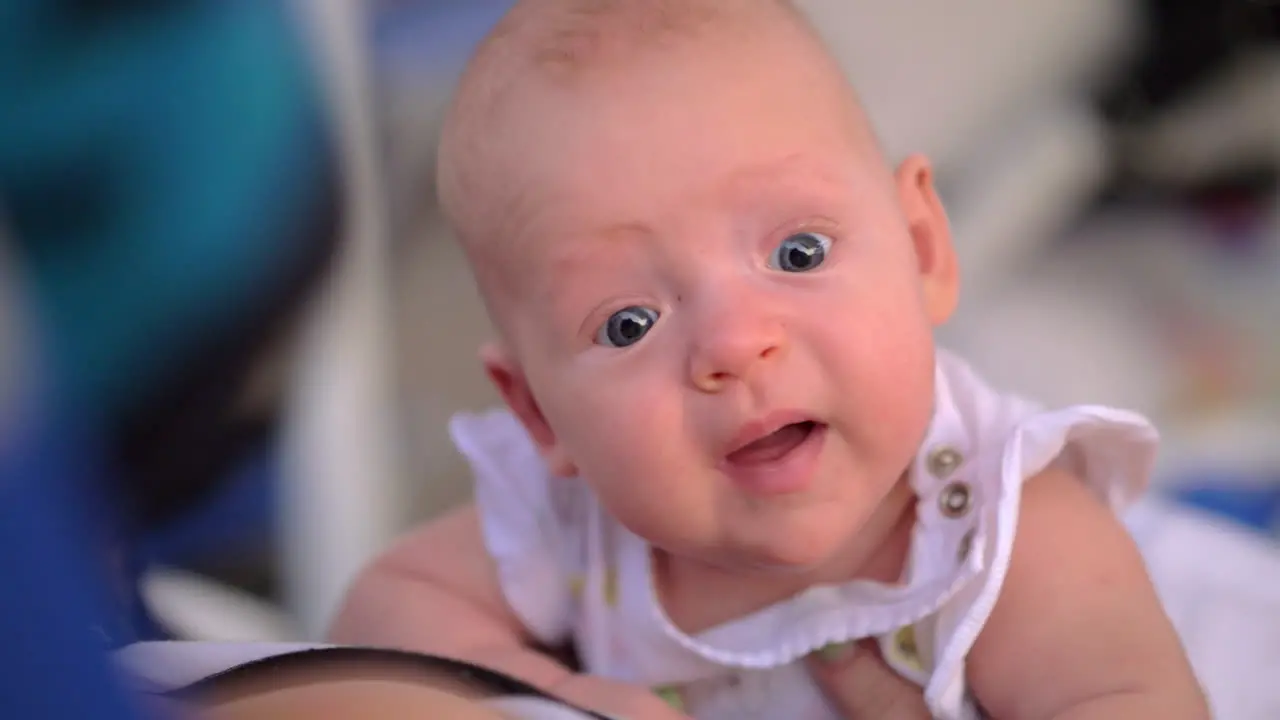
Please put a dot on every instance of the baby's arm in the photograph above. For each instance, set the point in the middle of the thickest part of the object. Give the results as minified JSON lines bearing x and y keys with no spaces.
{"x":436,"y":591}
{"x":1078,"y":631}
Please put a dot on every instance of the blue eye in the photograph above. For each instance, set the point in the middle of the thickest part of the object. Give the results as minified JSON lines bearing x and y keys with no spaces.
{"x":801,"y":252}
{"x":627,"y":326}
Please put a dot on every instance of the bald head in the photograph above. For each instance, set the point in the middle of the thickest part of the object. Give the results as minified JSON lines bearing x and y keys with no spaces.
{"x":570,"y":41}
{"x":554,"y":48}
{"x":569,"y":37}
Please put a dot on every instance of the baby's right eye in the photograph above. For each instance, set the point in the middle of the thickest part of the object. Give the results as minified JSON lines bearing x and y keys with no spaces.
{"x":627,"y":326}
{"x":801,"y":252}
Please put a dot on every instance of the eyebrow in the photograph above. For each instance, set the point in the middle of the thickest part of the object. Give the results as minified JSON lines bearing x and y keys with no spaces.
{"x":768,"y":169}
{"x":624,"y":229}
{"x":791,"y":166}
{"x":753,"y":175}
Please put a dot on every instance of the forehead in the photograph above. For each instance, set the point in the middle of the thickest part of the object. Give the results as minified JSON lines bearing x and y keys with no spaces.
{"x":557,"y":214}
{"x":703,"y":122}
{"x":673,"y":138}
{"x":657,"y":90}
{"x":567,"y":245}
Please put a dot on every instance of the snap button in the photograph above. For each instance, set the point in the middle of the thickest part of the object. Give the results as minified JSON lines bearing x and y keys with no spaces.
{"x":943,"y":461}
{"x":672,"y":696}
{"x":908,"y":652}
{"x":965,"y":547}
{"x":955,"y":500}
{"x":610,"y":589}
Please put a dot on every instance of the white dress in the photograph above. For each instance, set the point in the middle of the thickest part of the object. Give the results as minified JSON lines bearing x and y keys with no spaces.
{"x":570,"y":572}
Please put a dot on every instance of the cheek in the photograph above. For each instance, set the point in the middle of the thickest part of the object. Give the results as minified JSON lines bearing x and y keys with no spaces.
{"x":880,"y":353}
{"x":888,"y":368}
{"x":881,"y":313}
{"x":631,"y":443}
{"x":613,"y":420}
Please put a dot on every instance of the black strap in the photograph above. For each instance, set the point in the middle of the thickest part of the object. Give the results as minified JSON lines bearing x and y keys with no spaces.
{"x":300,"y":666}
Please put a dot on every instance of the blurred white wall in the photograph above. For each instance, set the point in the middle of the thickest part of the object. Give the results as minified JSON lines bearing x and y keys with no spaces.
{"x":342,"y":497}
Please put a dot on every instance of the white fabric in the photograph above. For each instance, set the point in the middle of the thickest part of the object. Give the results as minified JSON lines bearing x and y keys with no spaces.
{"x":1220,"y":584}
{"x":571,"y":572}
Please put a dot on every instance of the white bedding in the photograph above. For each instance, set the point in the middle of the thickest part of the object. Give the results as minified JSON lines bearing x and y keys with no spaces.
{"x":1221,"y":587}
{"x":1220,"y":584}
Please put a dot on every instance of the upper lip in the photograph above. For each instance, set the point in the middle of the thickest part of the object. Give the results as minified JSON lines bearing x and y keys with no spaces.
{"x":765,"y":426}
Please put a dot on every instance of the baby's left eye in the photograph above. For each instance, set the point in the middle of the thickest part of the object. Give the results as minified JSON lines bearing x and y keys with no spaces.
{"x":801,"y":252}
{"x":627,"y":326}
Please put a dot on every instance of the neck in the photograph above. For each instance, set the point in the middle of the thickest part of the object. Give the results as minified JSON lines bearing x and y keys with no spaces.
{"x":879,"y":550}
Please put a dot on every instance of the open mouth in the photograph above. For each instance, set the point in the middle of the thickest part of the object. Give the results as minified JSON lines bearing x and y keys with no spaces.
{"x":775,"y":445}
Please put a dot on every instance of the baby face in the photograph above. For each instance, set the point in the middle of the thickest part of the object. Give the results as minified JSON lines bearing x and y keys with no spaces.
{"x":722,"y":303}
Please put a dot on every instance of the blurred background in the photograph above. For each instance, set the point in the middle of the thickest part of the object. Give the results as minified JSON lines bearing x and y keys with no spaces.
{"x":1110,"y":168}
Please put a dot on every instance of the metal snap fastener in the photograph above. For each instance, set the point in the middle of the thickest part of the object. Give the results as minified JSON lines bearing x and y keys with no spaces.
{"x":906,"y":639}
{"x":907,"y":650}
{"x":672,"y":696}
{"x":943,"y":461}
{"x":610,"y":589}
{"x":955,"y":500}
{"x":965,"y":547}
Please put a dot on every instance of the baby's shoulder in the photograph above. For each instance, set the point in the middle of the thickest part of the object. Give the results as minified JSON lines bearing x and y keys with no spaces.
{"x":536,"y":527}
{"x":508,"y":472}
{"x":991,"y":459}
{"x":1016,"y":437}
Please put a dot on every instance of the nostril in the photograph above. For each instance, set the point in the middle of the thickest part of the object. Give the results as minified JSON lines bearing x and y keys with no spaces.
{"x":768,"y":352}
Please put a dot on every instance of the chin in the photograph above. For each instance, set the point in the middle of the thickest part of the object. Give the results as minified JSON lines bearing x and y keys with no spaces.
{"x":785,"y":568}
{"x":798,"y":557}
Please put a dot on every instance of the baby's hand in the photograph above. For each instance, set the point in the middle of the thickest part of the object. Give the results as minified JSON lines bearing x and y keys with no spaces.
{"x":616,"y":699}
{"x":861,"y":686}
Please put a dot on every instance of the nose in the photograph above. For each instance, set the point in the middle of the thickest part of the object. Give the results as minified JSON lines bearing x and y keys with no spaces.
{"x":732,"y":345}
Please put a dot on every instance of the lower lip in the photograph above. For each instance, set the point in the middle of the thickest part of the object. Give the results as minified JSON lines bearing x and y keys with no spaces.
{"x":790,"y":473}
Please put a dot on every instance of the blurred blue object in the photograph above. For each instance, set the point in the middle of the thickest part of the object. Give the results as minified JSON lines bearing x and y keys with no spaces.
{"x":239,"y":518}
{"x":1251,"y":502}
{"x":58,"y":614}
{"x":155,"y":159}
{"x":165,"y":170}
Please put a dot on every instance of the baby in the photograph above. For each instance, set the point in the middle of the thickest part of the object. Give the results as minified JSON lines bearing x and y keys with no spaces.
{"x":731,"y":441}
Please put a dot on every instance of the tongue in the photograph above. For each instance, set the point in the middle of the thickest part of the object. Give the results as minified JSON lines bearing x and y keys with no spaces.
{"x":771,"y":447}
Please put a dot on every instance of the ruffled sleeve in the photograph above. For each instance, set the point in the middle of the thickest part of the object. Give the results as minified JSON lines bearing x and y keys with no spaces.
{"x":528,"y":519}
{"x":1110,"y":450}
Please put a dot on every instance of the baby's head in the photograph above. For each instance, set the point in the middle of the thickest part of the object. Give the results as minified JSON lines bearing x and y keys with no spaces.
{"x":688,"y":238}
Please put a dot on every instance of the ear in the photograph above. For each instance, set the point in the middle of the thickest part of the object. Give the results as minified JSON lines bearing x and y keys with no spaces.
{"x":931,"y":237}
{"x":506,"y":375}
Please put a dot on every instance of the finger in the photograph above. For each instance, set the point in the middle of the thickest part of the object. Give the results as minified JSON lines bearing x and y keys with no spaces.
{"x":861,"y":686}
